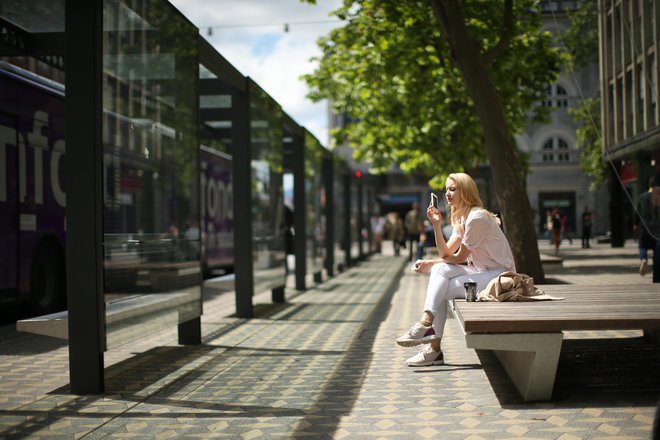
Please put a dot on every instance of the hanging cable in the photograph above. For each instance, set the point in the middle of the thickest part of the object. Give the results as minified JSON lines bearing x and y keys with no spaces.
{"x":286,"y":26}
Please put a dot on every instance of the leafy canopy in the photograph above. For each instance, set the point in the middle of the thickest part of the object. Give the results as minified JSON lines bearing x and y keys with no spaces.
{"x":391,"y":72}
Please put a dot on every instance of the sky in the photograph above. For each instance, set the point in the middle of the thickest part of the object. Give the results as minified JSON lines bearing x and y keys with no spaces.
{"x":251,"y":35}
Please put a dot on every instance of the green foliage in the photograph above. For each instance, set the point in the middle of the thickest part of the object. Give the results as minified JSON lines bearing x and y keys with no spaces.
{"x":581,"y":38}
{"x":390,"y":70}
{"x":587,"y":115}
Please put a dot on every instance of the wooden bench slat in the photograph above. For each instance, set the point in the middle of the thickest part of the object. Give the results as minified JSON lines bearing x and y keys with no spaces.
{"x":591,"y":307}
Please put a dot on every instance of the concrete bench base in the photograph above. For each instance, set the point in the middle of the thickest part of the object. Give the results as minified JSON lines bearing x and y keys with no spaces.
{"x":529,"y":359}
{"x":527,"y":336}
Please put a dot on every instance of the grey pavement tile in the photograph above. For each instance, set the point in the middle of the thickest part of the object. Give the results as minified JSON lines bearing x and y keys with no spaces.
{"x":325,"y":365}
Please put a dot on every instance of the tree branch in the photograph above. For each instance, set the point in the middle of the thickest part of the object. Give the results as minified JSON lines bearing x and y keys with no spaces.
{"x":505,"y":35}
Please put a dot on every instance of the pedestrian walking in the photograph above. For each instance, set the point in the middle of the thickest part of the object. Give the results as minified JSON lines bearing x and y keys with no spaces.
{"x":647,"y":228}
{"x":413,"y":223}
{"x":586,"y":228}
{"x":556,"y":222}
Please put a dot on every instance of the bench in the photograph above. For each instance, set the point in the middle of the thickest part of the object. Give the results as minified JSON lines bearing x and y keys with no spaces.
{"x":126,"y":319}
{"x":527,"y":337}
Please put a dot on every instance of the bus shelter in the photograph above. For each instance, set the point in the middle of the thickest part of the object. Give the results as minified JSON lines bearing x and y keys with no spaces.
{"x":305,"y":198}
{"x":125,"y":163}
{"x":132,"y":204}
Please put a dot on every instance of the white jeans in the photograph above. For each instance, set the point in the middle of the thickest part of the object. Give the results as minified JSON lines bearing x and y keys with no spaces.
{"x":445,"y":283}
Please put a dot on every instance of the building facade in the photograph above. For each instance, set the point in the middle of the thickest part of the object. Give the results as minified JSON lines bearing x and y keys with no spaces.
{"x":629,"y":32}
{"x":555,"y":178}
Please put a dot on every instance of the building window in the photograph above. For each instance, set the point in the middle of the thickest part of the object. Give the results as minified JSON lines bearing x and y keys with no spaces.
{"x":556,"y":150}
{"x":556,"y":96}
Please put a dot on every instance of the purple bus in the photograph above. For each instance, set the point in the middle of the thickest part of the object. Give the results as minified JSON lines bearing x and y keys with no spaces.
{"x":217,"y":227}
{"x":32,"y":197}
{"x":33,"y":201}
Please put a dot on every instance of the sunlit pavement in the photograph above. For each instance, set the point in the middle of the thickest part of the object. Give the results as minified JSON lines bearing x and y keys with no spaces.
{"x":325,"y":365}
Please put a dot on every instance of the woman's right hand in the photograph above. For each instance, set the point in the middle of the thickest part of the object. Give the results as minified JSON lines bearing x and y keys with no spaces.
{"x":434,"y":215}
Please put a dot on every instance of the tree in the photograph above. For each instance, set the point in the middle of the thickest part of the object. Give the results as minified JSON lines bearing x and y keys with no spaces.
{"x":441,"y":86}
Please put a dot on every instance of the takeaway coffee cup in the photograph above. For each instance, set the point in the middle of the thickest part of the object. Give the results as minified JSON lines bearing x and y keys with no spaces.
{"x":470,"y":291}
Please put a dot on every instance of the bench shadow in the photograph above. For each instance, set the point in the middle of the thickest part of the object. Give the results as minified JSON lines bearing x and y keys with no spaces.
{"x":618,"y":372}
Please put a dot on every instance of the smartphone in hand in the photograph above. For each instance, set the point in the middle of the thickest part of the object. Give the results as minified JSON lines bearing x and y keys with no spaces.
{"x":434,"y":200}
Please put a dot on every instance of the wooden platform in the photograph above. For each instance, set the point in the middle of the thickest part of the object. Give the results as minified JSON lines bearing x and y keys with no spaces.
{"x":617,"y":307}
{"x":527,"y":336}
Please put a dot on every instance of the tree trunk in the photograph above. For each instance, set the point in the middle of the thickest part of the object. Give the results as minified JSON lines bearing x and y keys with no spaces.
{"x":507,"y":176}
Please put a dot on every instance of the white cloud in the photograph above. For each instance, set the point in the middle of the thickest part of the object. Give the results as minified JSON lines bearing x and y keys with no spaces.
{"x":250,"y":35}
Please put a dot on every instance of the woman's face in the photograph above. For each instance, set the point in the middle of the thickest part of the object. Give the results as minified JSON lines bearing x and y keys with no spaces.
{"x":452,"y":193}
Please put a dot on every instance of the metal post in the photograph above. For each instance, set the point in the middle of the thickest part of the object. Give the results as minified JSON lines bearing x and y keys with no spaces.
{"x":328,"y":211}
{"x":242,"y":183}
{"x":190,"y":332}
{"x":84,"y":211}
{"x":299,"y":210}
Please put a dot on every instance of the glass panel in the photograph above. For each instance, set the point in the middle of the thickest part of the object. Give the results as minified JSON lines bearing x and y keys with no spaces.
{"x":150,"y":168}
{"x":266,"y":135}
{"x":365,"y":187}
{"x":354,"y":218}
{"x":341,"y":216}
{"x":315,"y":197}
{"x":217,"y":115}
{"x":34,"y":15}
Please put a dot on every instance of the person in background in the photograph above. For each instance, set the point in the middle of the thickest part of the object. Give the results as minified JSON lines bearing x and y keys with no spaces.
{"x":477,"y":251}
{"x":413,"y":224}
{"x":586,"y":228}
{"x":548,"y":226}
{"x":647,"y":228}
{"x":556,"y":229}
{"x":395,"y":231}
{"x":378,"y":228}
{"x":426,"y":239}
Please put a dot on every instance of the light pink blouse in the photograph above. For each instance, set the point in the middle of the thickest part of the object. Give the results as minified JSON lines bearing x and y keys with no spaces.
{"x":489,"y":248}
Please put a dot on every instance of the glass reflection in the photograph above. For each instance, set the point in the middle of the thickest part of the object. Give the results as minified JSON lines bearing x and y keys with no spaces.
{"x":216,"y":109}
{"x":341,"y":215}
{"x":315,"y":201}
{"x":150,"y":167}
{"x":34,"y":15}
{"x":268,"y":216}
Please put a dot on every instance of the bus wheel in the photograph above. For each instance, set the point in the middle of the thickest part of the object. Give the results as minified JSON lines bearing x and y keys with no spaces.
{"x":47,"y":292}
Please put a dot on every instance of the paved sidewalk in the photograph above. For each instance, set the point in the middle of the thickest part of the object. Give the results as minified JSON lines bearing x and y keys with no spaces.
{"x":325,"y":365}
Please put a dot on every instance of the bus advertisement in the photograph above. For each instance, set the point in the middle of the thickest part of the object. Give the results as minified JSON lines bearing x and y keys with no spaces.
{"x":217,"y":215}
{"x":33,"y":202}
{"x":32,"y":197}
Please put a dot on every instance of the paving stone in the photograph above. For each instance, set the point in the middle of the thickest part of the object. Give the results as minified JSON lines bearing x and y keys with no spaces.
{"x":325,"y":365}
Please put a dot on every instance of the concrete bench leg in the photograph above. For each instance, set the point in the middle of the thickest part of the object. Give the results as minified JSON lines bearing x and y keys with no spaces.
{"x":530,"y":359}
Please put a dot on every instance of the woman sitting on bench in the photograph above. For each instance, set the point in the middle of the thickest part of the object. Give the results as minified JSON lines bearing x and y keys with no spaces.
{"x":477,"y":240}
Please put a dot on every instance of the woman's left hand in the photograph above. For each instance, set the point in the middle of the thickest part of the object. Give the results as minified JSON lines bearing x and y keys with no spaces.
{"x":423,"y":266}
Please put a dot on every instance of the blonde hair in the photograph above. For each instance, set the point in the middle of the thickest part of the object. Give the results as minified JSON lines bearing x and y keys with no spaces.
{"x":469,"y":198}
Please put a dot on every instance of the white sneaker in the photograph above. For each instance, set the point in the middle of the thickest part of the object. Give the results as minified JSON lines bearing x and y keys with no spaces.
{"x":426,"y":357}
{"x":418,"y":334}
{"x":642,"y":267}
